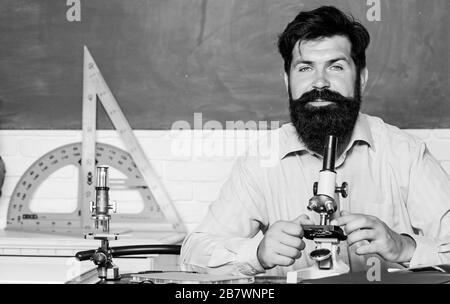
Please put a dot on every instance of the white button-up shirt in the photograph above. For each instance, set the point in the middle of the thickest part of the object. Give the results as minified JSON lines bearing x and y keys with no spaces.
{"x":390,"y":175}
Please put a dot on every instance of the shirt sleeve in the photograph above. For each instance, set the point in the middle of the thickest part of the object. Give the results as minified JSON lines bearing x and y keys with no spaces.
{"x":429,"y":208}
{"x":227,"y":239}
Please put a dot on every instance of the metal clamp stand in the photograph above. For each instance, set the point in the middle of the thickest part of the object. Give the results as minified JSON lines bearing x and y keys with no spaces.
{"x":102,"y":257}
{"x":327,"y":237}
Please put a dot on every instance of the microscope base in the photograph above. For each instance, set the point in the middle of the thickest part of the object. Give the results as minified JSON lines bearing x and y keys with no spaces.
{"x":332,"y":265}
{"x":314,"y":272}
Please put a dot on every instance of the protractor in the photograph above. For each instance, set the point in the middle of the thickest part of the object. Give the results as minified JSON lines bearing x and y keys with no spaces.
{"x":21,"y":217}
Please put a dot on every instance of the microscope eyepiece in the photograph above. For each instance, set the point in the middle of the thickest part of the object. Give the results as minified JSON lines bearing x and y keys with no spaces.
{"x":102,"y":176}
{"x":329,"y":153}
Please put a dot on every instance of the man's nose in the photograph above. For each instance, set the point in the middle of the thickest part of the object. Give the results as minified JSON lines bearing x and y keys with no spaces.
{"x":321,"y":81}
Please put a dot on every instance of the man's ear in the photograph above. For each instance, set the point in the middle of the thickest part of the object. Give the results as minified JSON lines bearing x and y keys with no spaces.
{"x":364,"y":77}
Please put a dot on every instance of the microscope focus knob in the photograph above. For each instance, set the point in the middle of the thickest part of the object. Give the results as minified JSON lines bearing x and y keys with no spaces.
{"x":113,"y":207}
{"x":343,"y":190}
{"x":99,"y":258}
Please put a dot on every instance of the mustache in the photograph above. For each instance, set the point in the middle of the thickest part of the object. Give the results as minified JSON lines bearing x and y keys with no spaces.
{"x":324,"y":94}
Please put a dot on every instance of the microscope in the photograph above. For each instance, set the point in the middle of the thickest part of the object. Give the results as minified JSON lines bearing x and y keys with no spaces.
{"x":328,"y":261}
{"x":102,"y":257}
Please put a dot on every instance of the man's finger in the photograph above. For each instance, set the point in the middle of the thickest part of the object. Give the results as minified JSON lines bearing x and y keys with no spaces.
{"x":354,"y":222}
{"x":367,"y":249}
{"x":283,"y":260}
{"x":287,"y":251}
{"x":293,"y":229}
{"x":359,"y":223}
{"x":360,"y":235}
{"x":303,"y":219}
{"x":343,"y":220}
{"x":291,"y":241}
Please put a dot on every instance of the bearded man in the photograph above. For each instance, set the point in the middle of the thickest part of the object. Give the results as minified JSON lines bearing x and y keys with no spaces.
{"x":398,"y":207}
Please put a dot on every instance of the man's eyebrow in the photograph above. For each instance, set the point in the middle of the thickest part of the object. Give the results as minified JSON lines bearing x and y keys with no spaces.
{"x":300,"y":61}
{"x":331,"y":61}
{"x":344,"y":58}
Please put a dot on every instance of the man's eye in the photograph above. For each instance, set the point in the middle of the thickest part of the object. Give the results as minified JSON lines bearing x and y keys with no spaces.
{"x":304,"y":69}
{"x":336,"y":68}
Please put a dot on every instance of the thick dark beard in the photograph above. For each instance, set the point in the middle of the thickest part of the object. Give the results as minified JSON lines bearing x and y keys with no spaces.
{"x":314,"y":124}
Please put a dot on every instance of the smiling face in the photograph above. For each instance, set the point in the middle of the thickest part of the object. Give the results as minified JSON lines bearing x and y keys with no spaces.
{"x":324,"y":91}
{"x":322,"y":64}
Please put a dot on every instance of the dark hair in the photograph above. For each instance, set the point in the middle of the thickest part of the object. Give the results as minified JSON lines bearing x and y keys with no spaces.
{"x":325,"y":21}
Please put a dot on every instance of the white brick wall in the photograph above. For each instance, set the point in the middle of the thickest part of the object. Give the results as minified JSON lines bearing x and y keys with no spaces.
{"x":192,"y":166}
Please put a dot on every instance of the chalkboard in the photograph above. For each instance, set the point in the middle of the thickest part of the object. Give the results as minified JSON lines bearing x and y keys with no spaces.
{"x":165,"y":60}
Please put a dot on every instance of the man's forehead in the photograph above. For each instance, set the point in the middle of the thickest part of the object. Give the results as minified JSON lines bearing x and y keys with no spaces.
{"x":322,"y":48}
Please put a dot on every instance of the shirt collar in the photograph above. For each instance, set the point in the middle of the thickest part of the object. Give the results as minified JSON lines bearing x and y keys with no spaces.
{"x":292,"y":143}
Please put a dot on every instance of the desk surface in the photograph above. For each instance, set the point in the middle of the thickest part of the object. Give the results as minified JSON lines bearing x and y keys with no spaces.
{"x":41,"y":270}
{"x":350,"y":278}
{"x":59,"y":270}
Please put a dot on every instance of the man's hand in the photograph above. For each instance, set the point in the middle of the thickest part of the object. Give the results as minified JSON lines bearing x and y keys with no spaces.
{"x":282,"y":244}
{"x":375,"y":237}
